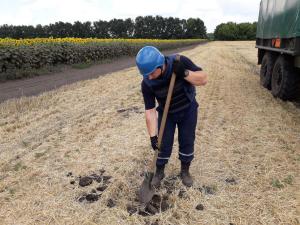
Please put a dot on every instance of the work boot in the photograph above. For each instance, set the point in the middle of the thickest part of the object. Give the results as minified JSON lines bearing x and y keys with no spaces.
{"x":185,"y":176}
{"x":158,"y":176}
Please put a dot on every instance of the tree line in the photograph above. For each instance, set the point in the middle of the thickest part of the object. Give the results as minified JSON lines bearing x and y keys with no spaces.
{"x":157,"y":27}
{"x":232,"y":31}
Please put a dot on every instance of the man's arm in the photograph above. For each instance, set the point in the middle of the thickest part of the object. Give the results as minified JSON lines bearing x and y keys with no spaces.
{"x":150,"y":111}
{"x":151,"y":121}
{"x":197,"y":78}
{"x":150,"y":115}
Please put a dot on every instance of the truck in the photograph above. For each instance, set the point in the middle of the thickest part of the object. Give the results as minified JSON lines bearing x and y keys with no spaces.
{"x":278,"y":44}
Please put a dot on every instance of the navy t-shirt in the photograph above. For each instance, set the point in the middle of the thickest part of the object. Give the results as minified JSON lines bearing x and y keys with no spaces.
{"x":148,"y":95}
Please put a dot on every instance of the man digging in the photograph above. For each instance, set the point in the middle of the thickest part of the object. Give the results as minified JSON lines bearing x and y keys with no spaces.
{"x":157,"y":70}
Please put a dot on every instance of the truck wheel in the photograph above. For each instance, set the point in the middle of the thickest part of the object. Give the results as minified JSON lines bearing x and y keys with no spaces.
{"x":266,"y":70}
{"x":284,"y":79}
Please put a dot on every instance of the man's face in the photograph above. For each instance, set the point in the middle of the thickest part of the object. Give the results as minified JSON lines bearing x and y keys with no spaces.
{"x":156,"y":73}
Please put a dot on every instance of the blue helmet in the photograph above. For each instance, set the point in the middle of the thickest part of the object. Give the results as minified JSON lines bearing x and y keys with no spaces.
{"x":148,"y":59}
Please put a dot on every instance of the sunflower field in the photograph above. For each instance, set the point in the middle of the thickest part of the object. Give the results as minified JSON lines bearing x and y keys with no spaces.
{"x":19,"y":57}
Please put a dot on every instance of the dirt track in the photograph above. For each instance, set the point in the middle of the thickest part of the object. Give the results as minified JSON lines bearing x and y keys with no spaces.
{"x":246,"y":166}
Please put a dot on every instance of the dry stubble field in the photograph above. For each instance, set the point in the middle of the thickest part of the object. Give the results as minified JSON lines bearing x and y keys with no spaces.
{"x":246,"y":167}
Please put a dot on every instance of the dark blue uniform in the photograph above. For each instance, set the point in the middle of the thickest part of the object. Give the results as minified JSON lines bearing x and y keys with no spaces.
{"x":183,"y":110}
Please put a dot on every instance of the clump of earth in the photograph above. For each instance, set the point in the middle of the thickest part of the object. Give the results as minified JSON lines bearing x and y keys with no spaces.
{"x":85,"y":181}
{"x":158,"y":204}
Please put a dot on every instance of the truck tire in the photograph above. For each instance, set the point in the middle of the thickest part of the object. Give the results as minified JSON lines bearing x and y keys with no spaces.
{"x":284,"y":79}
{"x":266,"y":69}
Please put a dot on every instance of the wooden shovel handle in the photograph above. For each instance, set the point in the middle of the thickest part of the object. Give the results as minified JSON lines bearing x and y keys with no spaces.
{"x":163,"y":121}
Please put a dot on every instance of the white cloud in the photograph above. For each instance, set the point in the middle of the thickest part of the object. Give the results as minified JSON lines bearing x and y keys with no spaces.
{"x":212,"y":12}
{"x":137,"y":7}
{"x":45,"y":12}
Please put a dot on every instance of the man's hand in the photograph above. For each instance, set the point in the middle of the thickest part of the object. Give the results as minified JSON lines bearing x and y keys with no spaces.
{"x":178,"y":69}
{"x":154,"y":142}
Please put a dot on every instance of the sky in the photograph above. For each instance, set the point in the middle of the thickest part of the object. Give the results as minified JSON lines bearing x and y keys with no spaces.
{"x":212,"y":12}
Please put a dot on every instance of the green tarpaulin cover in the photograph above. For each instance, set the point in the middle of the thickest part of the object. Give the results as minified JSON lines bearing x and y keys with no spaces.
{"x":279,"y":19}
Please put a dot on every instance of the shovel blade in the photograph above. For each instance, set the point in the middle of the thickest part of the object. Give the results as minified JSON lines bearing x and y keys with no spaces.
{"x":146,"y":191}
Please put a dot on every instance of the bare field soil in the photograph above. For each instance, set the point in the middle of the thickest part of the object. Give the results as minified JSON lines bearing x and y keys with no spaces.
{"x":76,"y":155}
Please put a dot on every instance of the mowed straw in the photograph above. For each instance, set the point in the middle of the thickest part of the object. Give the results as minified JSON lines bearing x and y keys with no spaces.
{"x":246,"y":166}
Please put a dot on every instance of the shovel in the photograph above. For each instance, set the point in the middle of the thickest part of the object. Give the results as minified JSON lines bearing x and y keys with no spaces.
{"x":147,"y":191}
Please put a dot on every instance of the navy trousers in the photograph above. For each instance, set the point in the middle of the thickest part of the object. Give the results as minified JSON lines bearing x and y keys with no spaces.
{"x":186,"y":121}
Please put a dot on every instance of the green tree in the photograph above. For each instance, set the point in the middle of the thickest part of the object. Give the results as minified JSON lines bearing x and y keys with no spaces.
{"x":174,"y":28}
{"x":232,"y":31}
{"x":119,"y":28}
{"x":101,"y":29}
{"x":143,"y":27}
{"x":195,"y":28}
{"x":82,"y":30}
